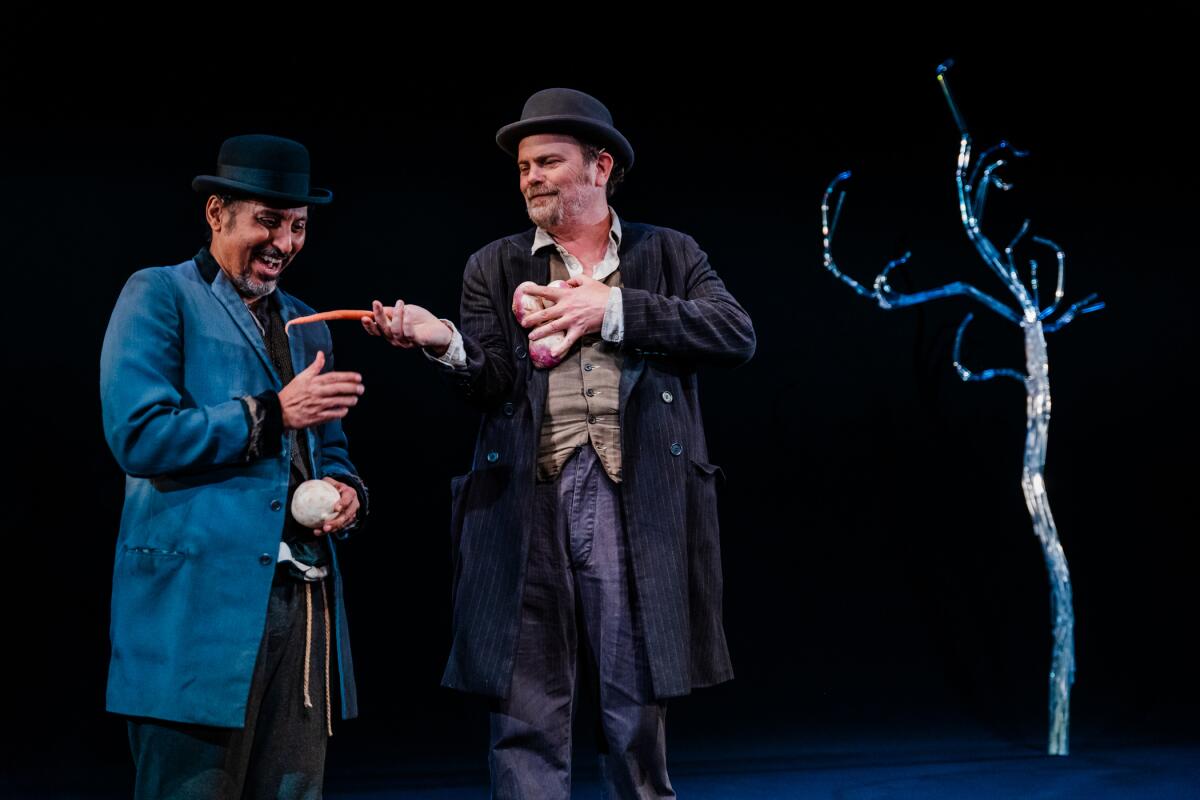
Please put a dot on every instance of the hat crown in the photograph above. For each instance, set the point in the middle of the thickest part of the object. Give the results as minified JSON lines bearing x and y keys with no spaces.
{"x":267,"y":167}
{"x":566,"y":111}
{"x":565,"y":102}
{"x":264,"y":152}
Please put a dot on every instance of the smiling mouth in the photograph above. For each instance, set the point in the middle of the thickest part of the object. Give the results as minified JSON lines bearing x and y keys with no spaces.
{"x":272,"y":264}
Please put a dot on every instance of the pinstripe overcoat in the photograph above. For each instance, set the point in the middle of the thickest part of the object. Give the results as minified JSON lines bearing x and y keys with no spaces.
{"x":678,"y":316}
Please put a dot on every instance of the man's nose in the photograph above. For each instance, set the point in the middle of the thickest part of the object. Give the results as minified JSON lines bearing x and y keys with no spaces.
{"x":284,"y":239}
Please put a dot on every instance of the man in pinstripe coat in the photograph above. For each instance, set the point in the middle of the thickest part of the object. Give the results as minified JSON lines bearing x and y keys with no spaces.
{"x":588,"y":521}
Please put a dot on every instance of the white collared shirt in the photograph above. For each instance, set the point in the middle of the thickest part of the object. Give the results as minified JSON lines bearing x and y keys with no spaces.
{"x":612,"y":329}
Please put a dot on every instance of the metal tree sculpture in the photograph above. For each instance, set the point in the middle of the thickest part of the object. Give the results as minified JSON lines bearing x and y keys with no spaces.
{"x":973,"y":181}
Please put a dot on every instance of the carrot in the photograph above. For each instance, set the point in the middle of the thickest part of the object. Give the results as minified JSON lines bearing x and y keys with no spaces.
{"x":324,"y":315}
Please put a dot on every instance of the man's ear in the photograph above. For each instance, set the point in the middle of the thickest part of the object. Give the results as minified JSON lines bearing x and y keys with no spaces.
{"x":214,"y":212}
{"x":604,"y":167}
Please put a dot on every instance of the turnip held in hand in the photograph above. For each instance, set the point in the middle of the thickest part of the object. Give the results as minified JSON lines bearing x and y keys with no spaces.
{"x":540,"y":351}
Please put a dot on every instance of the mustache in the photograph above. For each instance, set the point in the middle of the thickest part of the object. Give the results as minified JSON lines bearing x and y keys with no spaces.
{"x":529,"y":195}
{"x":271,"y":252}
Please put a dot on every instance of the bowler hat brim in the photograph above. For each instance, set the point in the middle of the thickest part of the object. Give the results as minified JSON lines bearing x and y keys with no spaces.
{"x":215,"y":185}
{"x":510,"y":136}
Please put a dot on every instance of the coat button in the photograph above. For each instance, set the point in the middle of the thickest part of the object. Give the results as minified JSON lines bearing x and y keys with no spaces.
{"x":493,"y":457}
{"x":591,"y":420}
{"x":667,"y":397}
{"x":276,"y":505}
{"x":587,"y":367}
{"x":589,"y":391}
{"x":266,"y":560}
{"x":520,"y":351}
{"x":508,"y":409}
{"x":676,"y":448}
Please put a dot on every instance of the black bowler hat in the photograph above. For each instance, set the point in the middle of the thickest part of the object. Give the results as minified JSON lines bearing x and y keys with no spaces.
{"x":265,"y":167}
{"x":571,"y":112}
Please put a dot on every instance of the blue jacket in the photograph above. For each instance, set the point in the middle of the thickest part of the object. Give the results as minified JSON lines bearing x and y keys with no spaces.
{"x":201,"y":525}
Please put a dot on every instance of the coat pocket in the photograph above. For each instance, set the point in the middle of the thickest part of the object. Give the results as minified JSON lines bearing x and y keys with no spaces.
{"x":709,"y":650}
{"x":704,"y":543}
{"x":459,"y":492}
{"x":711,"y":470}
{"x":154,"y":552}
{"x":149,"y":600}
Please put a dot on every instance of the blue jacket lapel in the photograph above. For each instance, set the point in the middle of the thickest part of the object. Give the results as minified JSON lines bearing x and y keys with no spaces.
{"x":228,"y":296}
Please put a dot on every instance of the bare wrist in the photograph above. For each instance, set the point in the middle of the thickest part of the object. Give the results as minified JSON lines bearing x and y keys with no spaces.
{"x":439,"y":350}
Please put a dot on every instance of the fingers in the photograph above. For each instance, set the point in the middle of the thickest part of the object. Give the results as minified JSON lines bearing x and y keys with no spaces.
{"x":312,"y":399}
{"x":329,"y":414}
{"x":388,"y":322}
{"x":348,"y":389}
{"x":553,"y":326}
{"x":518,"y":293}
{"x":337,"y":377}
{"x":368,"y":322}
{"x":346,"y":516}
{"x":567,"y":344}
{"x":346,"y":509}
{"x":335,"y":524}
{"x":328,"y":403}
{"x":381,"y":319}
{"x":406,"y":323}
{"x":318,"y":363}
{"x":546,"y":292}
{"x":399,"y":326}
{"x":541,"y":317}
{"x":377,"y":314}
{"x":396,"y":323}
{"x":344,"y":376}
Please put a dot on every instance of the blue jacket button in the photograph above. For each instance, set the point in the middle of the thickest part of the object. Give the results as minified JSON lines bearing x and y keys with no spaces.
{"x":676,"y":448}
{"x":276,"y":505}
{"x":493,"y":457}
{"x":508,"y":409}
{"x":266,"y":560}
{"x":667,"y":397}
{"x":520,"y":351}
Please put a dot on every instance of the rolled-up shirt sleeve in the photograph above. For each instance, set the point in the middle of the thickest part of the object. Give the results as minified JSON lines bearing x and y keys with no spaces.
{"x":613,"y":327}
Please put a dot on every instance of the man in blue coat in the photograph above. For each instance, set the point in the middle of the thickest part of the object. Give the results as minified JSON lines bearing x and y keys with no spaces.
{"x":230,"y":653}
{"x":585,"y":535}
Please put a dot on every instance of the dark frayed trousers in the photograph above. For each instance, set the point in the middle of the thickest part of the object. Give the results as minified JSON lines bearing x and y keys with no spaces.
{"x":280,"y":754}
{"x":577,"y":582}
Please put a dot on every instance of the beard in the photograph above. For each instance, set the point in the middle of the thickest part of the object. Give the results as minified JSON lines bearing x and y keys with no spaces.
{"x":546,"y":213}
{"x":560,"y":205}
{"x":250,"y":285}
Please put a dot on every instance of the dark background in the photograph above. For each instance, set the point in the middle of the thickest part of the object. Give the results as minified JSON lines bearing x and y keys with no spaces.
{"x":881,"y":573}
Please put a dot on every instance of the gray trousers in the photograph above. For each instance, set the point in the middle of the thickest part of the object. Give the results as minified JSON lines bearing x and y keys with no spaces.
{"x":280,"y":753}
{"x":578,"y":582}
